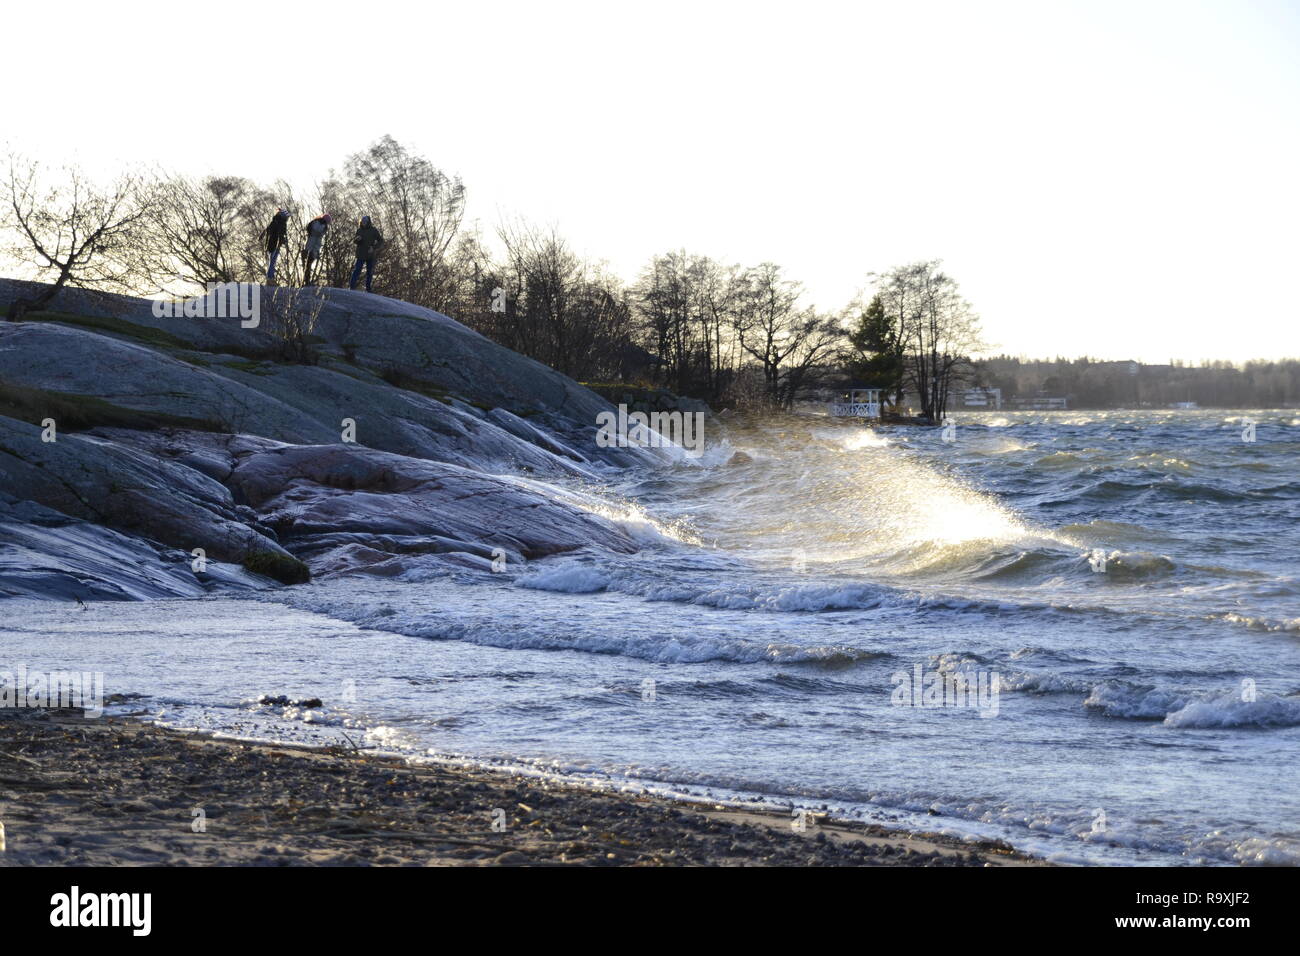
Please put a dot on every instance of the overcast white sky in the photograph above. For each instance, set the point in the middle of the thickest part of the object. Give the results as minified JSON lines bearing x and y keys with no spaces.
{"x":1111,"y":179}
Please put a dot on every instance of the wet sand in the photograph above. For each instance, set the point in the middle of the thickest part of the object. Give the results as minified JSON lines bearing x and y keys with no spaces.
{"x":112,"y":791}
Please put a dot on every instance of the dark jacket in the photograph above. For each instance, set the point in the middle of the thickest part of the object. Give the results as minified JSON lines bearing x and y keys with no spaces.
{"x":276,"y":232}
{"x":369,"y":239}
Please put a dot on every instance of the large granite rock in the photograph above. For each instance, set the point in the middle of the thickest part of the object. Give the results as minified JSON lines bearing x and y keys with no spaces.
{"x":289,"y":403}
{"x":372,"y":331}
{"x":321,"y":498}
{"x":176,"y":434}
{"x":120,"y":487}
{"x":45,"y":554}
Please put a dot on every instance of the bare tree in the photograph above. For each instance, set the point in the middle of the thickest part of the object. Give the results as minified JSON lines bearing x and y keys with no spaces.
{"x":687,"y":305}
{"x":818,"y":344}
{"x":544,"y":300}
{"x":83,"y":235}
{"x":718,"y":291}
{"x":418,"y":207}
{"x":665,"y":295}
{"x":786,"y":339}
{"x":937,"y":326}
{"x":205,"y":231}
{"x":543,"y":275}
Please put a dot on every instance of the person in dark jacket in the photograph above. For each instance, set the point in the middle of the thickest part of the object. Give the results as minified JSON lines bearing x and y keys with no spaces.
{"x":316,"y":230}
{"x":368,"y":240}
{"x":276,"y":236}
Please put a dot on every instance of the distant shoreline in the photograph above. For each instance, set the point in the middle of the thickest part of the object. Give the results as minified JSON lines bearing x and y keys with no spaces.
{"x":115,"y":791}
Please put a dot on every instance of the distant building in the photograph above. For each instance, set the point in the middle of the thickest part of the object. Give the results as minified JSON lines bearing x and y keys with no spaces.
{"x":982,"y":397}
{"x":1040,"y":402}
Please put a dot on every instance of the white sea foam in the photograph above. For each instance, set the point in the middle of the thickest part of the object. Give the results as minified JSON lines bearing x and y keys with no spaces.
{"x":1260,"y":623}
{"x":1123,"y":700}
{"x":1009,"y":679}
{"x":1229,"y":710}
{"x":569,"y":579}
{"x":816,"y":597}
{"x":1194,"y":709}
{"x":629,"y":515}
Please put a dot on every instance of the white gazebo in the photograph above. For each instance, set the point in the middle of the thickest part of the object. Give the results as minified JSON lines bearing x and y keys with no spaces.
{"x":857,"y":402}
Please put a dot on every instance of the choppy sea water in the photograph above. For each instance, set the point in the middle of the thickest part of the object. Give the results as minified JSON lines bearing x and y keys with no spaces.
{"x":1131,"y":578}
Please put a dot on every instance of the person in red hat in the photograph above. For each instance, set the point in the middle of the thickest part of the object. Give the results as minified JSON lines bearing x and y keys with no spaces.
{"x":316,"y":230}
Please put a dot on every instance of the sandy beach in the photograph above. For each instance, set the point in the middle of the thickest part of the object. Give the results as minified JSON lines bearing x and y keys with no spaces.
{"x":112,"y":791}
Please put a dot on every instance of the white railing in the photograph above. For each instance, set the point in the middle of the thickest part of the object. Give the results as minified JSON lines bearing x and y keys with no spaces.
{"x":855,"y":409}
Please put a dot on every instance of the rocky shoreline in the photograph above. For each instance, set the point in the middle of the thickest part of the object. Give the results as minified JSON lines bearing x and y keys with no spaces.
{"x":191,"y":451}
{"x":113,"y":791}
{"x":146,"y":457}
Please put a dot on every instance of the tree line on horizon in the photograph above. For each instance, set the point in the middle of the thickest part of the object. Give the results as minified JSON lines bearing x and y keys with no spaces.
{"x":1095,"y":383}
{"x":728,"y":334}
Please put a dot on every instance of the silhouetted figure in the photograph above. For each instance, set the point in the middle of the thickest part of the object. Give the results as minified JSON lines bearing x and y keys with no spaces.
{"x":276,"y":235}
{"x":368,"y":240}
{"x":316,"y":230}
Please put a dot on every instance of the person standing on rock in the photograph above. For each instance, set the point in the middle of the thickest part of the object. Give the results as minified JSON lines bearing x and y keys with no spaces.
{"x":316,"y":230}
{"x":368,"y":240}
{"x":276,"y":235}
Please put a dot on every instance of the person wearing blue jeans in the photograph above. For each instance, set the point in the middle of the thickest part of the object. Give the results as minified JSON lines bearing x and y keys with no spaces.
{"x":276,"y":235}
{"x":368,"y":240}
